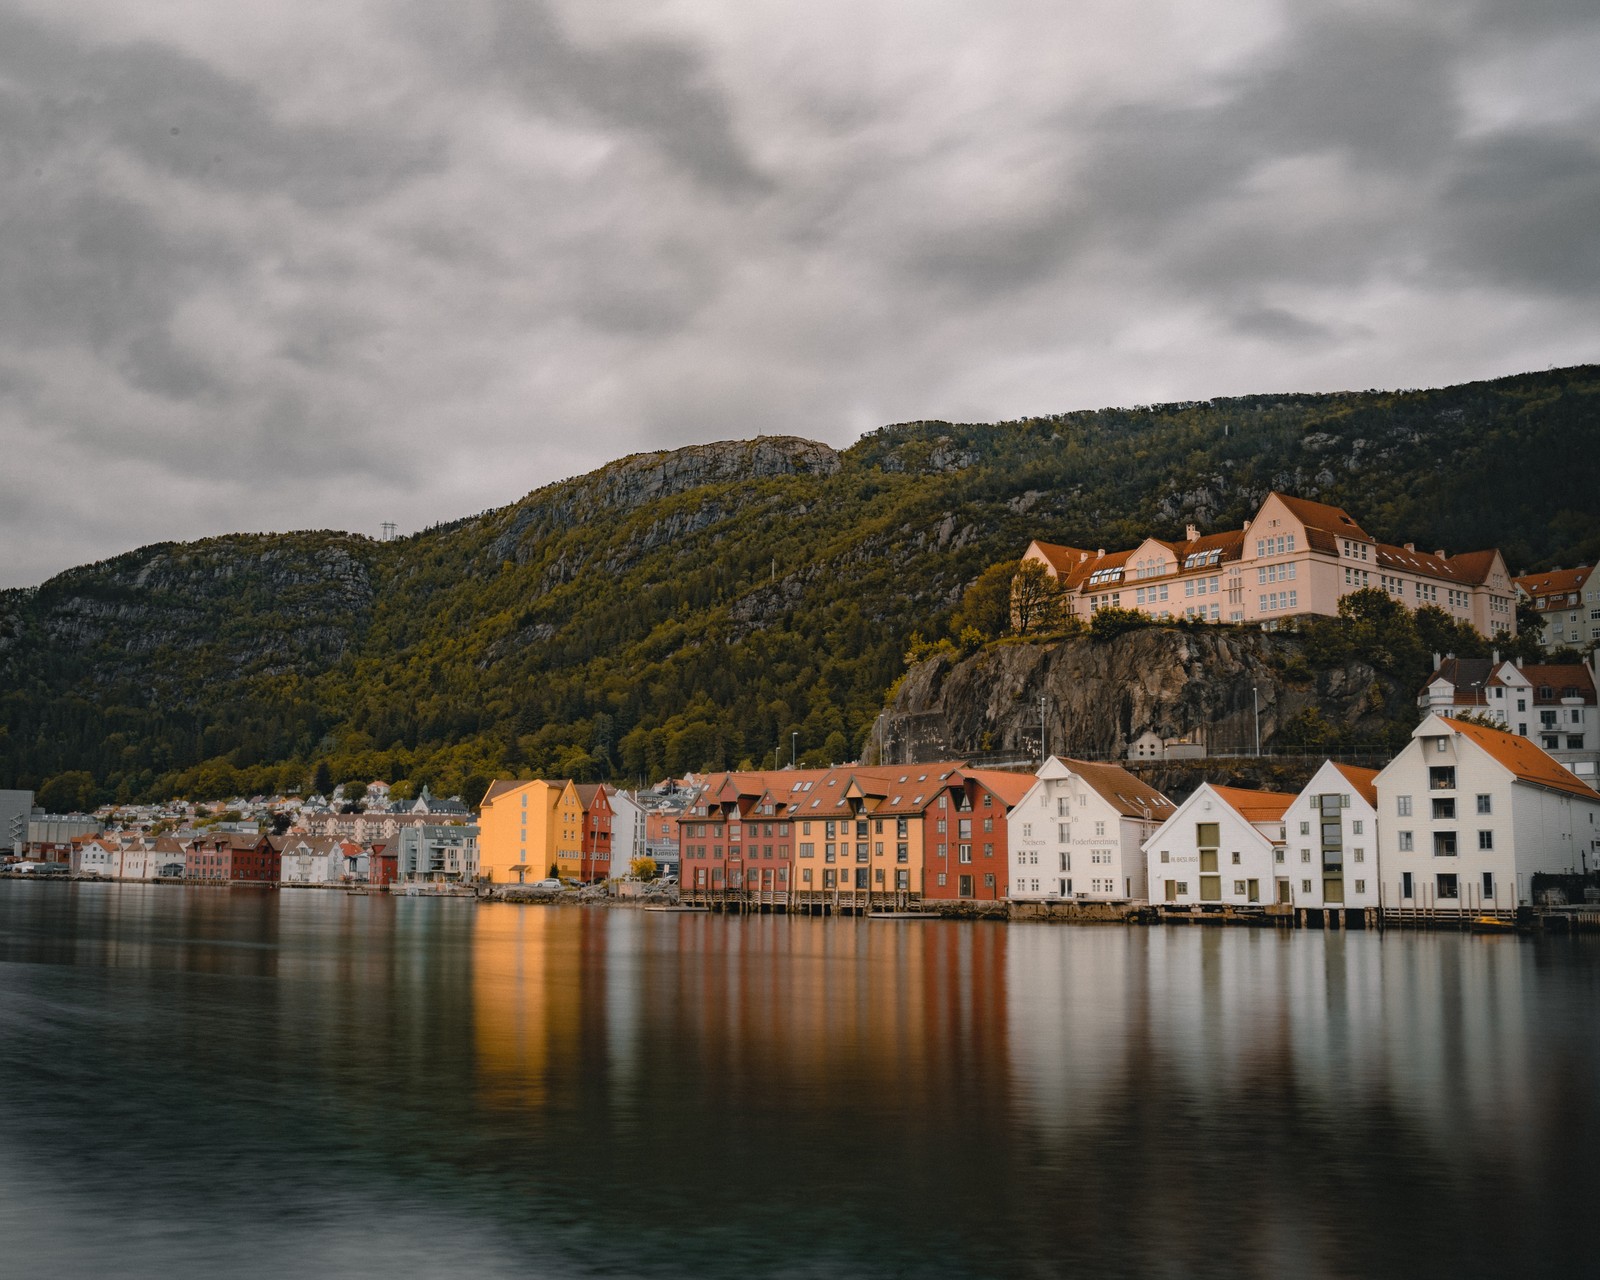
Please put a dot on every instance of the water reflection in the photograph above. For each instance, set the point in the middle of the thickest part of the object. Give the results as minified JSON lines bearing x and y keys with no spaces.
{"x":433,"y":1085}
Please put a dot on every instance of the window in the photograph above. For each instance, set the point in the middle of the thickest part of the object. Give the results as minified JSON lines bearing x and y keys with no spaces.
{"x":1360,"y":855}
{"x":1442,"y":777}
{"x":1488,"y":885}
{"x":1446,"y":886}
{"x":965,"y":853}
{"x":1305,"y":828}
{"x":1405,"y":884}
{"x":1444,"y":810}
{"x":1444,"y":844}
{"x":1405,"y":845}
{"x":1486,"y":840}
{"x":1485,"y":805}
{"x":1355,"y":827}
{"x":1361,"y":886}
{"x":1305,"y":855}
{"x":1277,"y":855}
{"x":1305,"y":886}
{"x":1238,"y":888}
{"x":1403,"y":806}
{"x":1235,"y":859}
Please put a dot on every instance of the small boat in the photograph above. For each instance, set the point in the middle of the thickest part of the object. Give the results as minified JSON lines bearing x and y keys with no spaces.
{"x":1492,"y":924}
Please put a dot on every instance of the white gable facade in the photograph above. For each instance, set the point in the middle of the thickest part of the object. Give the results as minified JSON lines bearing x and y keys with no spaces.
{"x":1208,"y":853}
{"x":1068,"y":841}
{"x":1461,"y":831}
{"x":1330,"y":851}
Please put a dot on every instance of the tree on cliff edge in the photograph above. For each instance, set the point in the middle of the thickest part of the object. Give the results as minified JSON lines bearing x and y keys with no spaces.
{"x":1036,"y":599}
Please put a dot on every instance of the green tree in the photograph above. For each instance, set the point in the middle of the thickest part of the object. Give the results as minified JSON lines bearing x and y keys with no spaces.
{"x":1113,"y":622}
{"x":70,"y":792}
{"x":986,"y":603}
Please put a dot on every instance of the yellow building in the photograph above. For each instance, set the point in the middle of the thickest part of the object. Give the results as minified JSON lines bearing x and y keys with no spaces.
{"x":526,"y":828}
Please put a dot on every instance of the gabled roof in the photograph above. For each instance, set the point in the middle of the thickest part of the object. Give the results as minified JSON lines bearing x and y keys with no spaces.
{"x":1526,"y":762}
{"x":1006,"y":784}
{"x":1061,"y":559}
{"x":1320,"y":515}
{"x":1255,"y":806}
{"x":1125,"y":792}
{"x":1559,"y":678}
{"x":587,"y":792}
{"x":1363,"y":780}
{"x":1467,"y":676}
{"x":1555,"y":582}
{"x":500,"y":787}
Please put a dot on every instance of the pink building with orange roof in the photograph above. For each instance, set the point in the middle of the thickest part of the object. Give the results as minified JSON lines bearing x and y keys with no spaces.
{"x":1294,"y":557}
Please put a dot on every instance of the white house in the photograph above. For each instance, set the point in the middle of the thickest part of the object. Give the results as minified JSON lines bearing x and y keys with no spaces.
{"x":1221,"y":846}
{"x":1470,"y":813}
{"x":627,"y":831}
{"x":1330,"y":857}
{"x":99,"y":857}
{"x":1079,"y":831}
{"x":312,"y":860}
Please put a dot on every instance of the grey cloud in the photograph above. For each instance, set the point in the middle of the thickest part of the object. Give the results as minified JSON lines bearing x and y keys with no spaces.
{"x":1279,"y":325}
{"x":655,"y":89}
{"x":1525,"y":210}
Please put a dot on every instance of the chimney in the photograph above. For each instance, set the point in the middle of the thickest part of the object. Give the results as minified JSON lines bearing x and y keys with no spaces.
{"x":1494,"y":658}
{"x":1411,"y":546}
{"x":1440,"y":553}
{"x":1101,"y":553}
{"x":1519,"y":662}
{"x":1437,"y":660}
{"x":1190,"y":533}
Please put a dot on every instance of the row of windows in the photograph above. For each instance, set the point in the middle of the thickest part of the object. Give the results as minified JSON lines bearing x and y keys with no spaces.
{"x":1275,"y":600}
{"x":1284,"y":572}
{"x":1446,"y":886}
{"x":1444,"y":842}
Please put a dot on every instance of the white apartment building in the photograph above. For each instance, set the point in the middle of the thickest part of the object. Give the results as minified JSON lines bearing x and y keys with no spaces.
{"x":1079,"y":832}
{"x":310,"y":860}
{"x":1469,"y":814}
{"x":436,"y":853}
{"x":1330,"y":853}
{"x":627,"y":831}
{"x":1221,"y":847}
{"x":1554,"y":704}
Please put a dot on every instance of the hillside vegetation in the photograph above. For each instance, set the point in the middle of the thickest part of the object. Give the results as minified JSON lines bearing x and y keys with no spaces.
{"x":695,"y":609}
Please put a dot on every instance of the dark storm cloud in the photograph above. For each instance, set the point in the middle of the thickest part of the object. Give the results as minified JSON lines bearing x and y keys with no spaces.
{"x":387,"y":259}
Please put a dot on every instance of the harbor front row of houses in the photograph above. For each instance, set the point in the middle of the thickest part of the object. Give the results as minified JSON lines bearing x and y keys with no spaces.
{"x":1460,"y":821}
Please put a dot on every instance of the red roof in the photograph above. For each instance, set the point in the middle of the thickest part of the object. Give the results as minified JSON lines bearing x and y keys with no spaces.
{"x":1320,"y":515}
{"x":1061,"y":559}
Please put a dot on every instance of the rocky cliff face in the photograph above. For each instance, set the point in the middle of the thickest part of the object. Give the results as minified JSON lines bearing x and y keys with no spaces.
{"x":1101,"y":695}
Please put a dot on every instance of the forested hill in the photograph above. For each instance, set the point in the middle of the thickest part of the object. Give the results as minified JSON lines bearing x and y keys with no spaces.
{"x":694,"y":609}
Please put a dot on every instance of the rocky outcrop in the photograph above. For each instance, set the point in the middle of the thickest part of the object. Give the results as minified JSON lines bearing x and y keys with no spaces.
{"x":643,"y":478}
{"x":1102,"y":694}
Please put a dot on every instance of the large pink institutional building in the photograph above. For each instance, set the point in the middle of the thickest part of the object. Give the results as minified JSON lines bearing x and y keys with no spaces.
{"x":1294,"y":557}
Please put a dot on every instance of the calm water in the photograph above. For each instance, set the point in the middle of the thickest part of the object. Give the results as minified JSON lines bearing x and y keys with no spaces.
{"x":207,"y":1083}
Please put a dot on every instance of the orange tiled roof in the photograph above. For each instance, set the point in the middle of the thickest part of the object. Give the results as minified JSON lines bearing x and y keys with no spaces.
{"x":1255,"y":806}
{"x":1363,"y":780}
{"x":1556,"y":582}
{"x":1320,"y":515}
{"x":1526,"y":762}
{"x":1006,"y":784}
{"x":1061,"y":559}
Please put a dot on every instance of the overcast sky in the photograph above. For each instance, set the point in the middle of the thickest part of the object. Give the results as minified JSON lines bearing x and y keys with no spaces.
{"x":284,"y":265}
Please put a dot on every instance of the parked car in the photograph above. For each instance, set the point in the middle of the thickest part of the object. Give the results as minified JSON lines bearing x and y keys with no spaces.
{"x":548,"y":886}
